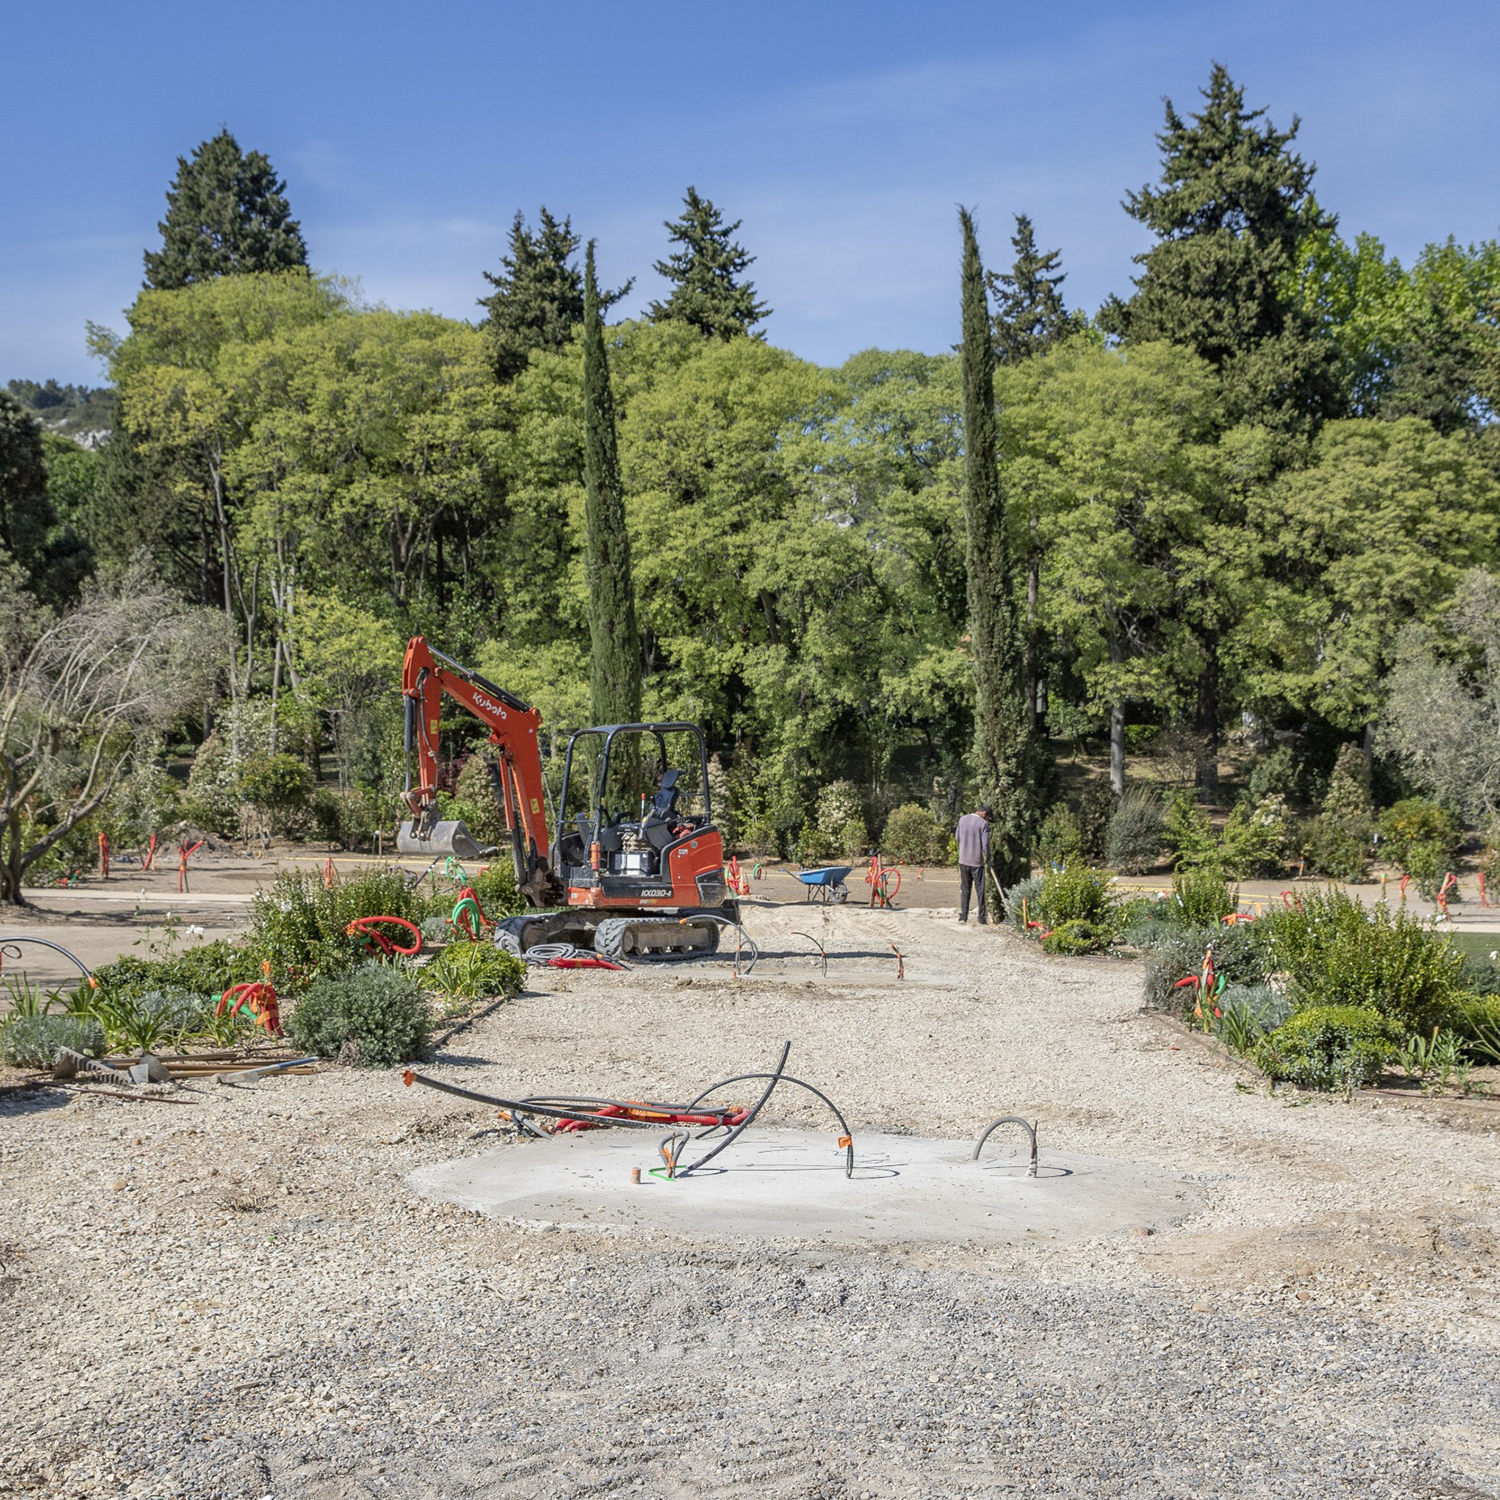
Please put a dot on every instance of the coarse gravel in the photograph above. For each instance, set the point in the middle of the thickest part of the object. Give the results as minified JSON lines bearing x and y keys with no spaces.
{"x":242,"y":1296}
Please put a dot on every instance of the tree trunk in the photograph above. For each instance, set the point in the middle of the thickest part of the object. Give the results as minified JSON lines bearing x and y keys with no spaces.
{"x":1117,"y":748}
{"x":1208,"y":723}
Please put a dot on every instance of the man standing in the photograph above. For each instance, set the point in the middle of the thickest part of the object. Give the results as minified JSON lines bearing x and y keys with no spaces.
{"x":973,"y":857}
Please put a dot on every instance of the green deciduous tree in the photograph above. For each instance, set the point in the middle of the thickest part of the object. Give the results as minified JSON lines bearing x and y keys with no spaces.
{"x":1005,"y":755}
{"x":1373,"y":534}
{"x":614,"y":640}
{"x":538,"y":298}
{"x":707,"y":290}
{"x":227,"y":214}
{"x":1115,"y":449}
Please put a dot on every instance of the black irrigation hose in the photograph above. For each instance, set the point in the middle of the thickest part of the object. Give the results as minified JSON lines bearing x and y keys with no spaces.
{"x":525,"y":1107}
{"x":561,"y":1109}
{"x":774,"y":1077}
{"x":6,"y":950}
{"x":671,"y":1159}
{"x":990,"y":1129}
{"x":846,"y":1139}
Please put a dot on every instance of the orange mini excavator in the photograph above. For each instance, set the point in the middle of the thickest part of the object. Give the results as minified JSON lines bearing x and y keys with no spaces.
{"x":636,"y":868}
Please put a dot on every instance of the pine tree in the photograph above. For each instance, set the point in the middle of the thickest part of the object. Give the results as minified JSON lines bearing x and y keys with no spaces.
{"x":538,"y":296}
{"x":707,"y":291}
{"x":1233,"y":205}
{"x":1029,"y":313}
{"x":1232,"y":208}
{"x":614,"y":640}
{"x":227,"y":214}
{"x":1004,"y":749}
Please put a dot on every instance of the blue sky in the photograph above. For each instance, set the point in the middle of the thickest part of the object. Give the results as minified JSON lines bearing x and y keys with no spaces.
{"x":842,"y":134}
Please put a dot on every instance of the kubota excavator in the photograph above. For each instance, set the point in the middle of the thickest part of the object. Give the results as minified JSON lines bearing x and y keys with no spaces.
{"x":644,"y":880}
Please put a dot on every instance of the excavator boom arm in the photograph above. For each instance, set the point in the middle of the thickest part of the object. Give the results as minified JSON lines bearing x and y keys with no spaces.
{"x":425,"y":676}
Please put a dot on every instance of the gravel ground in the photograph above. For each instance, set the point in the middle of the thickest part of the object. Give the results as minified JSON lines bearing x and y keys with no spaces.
{"x":241,"y":1297}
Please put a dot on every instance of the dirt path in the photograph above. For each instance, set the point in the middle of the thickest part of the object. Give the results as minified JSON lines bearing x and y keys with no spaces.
{"x":242,"y":1296}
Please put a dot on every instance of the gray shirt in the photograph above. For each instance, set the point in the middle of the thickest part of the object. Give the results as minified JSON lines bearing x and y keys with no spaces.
{"x":973,"y":840}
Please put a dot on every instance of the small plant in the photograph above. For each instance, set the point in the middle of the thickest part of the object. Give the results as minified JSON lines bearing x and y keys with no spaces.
{"x":1077,"y":937}
{"x":33,"y":1041}
{"x":1239,"y":958}
{"x":474,"y":971}
{"x":373,"y":1017}
{"x":1342,"y":1047}
{"x":136,"y":1022}
{"x":1246,"y":1013}
{"x":28,"y":999}
{"x":1437,"y":1057}
{"x":1134,"y":841}
{"x":1076,"y":893}
{"x":1021,"y":902}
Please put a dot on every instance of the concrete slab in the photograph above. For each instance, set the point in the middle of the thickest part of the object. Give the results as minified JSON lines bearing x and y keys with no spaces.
{"x":778,"y":1183}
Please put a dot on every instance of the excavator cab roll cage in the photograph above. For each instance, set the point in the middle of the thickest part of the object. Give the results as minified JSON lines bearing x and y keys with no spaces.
{"x":600,"y":840}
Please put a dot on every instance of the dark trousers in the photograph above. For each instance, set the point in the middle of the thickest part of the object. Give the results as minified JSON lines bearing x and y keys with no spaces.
{"x":971,"y":878}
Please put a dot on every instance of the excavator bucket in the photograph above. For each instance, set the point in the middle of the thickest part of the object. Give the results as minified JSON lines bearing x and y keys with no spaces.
{"x":452,"y":837}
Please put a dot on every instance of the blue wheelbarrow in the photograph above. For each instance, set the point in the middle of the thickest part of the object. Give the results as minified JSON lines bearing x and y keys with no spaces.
{"x":826,"y":884}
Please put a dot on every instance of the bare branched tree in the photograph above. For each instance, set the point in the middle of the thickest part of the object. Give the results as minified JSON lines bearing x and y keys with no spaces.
{"x":78,"y":692}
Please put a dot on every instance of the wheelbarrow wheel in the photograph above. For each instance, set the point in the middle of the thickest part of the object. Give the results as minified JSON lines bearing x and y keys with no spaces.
{"x":841,"y":893}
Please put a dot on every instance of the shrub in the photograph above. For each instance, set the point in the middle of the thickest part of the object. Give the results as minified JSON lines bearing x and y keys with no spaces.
{"x":1422,"y":838}
{"x":1334,"y":848}
{"x":838,"y":828}
{"x":277,"y":786}
{"x":1133,"y":844}
{"x":1077,"y":936}
{"x":34,"y":1041}
{"x":1095,"y":810}
{"x":1075,"y":893}
{"x":208,"y":969}
{"x":347,"y":820}
{"x":1239,"y":956}
{"x":1329,"y":1047}
{"x":1334,"y":951}
{"x":1348,"y":797}
{"x":474,"y":971}
{"x":1248,"y":844}
{"x":1274,"y":775}
{"x":913,"y":836}
{"x":1203,"y":896}
{"x":1022,"y":902}
{"x":1060,"y":839}
{"x":373,"y":1016}
{"x":210,"y":799}
{"x":297,"y":923}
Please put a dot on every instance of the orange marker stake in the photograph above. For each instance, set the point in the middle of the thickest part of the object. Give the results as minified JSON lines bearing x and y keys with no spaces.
{"x":104,"y":855}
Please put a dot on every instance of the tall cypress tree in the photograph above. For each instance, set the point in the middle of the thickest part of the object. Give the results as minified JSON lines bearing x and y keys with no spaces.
{"x":1029,"y":313}
{"x":1004,"y":748}
{"x":538,"y":296}
{"x":707,"y":291}
{"x":227,"y":214}
{"x":614,"y":640}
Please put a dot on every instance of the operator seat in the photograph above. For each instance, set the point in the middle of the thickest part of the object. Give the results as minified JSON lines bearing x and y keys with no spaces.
{"x":657,"y":827}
